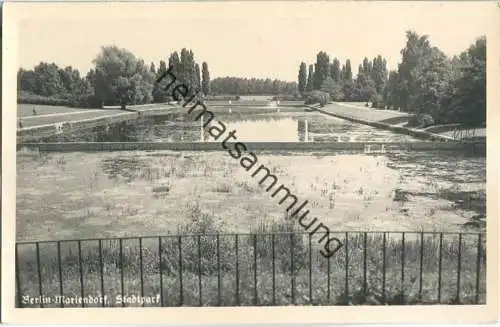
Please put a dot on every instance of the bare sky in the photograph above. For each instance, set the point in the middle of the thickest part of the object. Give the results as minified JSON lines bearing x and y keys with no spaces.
{"x":252,"y":39}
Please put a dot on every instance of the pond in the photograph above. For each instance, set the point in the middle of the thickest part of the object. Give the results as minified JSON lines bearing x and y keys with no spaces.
{"x":260,"y":127}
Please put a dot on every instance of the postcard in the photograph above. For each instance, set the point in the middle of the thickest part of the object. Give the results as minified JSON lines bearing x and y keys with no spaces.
{"x":250,"y":162}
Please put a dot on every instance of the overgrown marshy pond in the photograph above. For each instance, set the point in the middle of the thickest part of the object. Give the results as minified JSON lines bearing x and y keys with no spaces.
{"x":80,"y":195}
{"x":288,"y":126}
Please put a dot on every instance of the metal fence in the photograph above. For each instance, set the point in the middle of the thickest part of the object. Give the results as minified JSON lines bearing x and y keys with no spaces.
{"x":252,"y":269}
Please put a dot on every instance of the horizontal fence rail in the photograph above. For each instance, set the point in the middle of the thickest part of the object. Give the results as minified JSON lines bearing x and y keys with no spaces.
{"x":380,"y":268}
{"x":474,"y":147}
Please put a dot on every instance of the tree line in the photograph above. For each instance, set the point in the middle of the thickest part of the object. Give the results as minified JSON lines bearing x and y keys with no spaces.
{"x":250,"y":86}
{"x":426,"y":82}
{"x":120,"y":78}
{"x":117,"y":78}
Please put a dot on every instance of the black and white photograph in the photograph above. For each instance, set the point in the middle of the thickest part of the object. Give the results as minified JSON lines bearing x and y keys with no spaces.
{"x":249,"y":154}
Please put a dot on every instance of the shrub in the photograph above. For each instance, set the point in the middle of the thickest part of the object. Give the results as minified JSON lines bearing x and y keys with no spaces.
{"x":421,"y":120}
{"x":377,"y":101}
{"x":69,"y":100}
{"x":317,"y":97}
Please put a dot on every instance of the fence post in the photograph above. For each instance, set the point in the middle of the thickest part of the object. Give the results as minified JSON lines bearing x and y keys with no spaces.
{"x":292,"y":268}
{"x":440,"y":265}
{"x":101,"y":267}
{"x":255,"y":297}
{"x":384,"y":255}
{"x":181,"y":297}
{"x":310,"y":268}
{"x":421,"y":265}
{"x":160,"y":263}
{"x":218,"y":271}
{"x":39,"y":273}
{"x":459,"y":265}
{"x":18,"y":279}
{"x":274,"y":269}
{"x":81,"y":272}
{"x":237,"y":271}
{"x":199,"y":270}
{"x":365,"y":268}
{"x":59,"y":268}
{"x":141,"y":265}
{"x":121,"y":271}
{"x":478,"y":265}
{"x":346,"y":264}
{"x":403,"y":266}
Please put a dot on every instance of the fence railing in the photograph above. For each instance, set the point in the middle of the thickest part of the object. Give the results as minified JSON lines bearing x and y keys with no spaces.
{"x":252,"y":269}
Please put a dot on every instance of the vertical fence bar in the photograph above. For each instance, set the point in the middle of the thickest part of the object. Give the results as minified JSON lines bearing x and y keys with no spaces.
{"x":365,"y":268}
{"x":255,"y":297}
{"x":80,"y":268}
{"x":328,"y":272}
{"x":101,"y":268}
{"x":274,"y":269}
{"x":346,"y":264}
{"x":18,"y":279}
{"x":141,"y":266}
{"x":459,"y":265}
{"x":237,"y":271}
{"x":292,"y":268}
{"x":218,"y":271}
{"x":440,"y":265}
{"x":181,"y":295}
{"x":403,"y":265}
{"x":59,"y":268}
{"x":121,"y":272}
{"x":39,"y":271}
{"x":421,"y":273}
{"x":160,"y":264}
{"x":384,"y":255}
{"x":199,"y":270}
{"x":310,"y":269}
{"x":478,"y":265}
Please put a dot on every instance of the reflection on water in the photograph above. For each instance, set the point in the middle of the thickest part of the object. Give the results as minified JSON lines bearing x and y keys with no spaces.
{"x":276,"y":127}
{"x":262,"y":130}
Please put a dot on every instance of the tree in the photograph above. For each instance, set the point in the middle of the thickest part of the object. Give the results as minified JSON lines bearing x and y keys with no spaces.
{"x":379,"y":73}
{"x":48,"y":80}
{"x":347,"y":72}
{"x":27,"y":80}
{"x":335,"y":70}
{"x":364,"y":88}
{"x":160,"y":95}
{"x":322,"y":70}
{"x":121,"y":78}
{"x":198,"y":78}
{"x":466,"y":95}
{"x":328,"y":85}
{"x":391,"y":92}
{"x":310,"y":79}
{"x":302,"y":77}
{"x":205,"y":79}
{"x":416,"y":51}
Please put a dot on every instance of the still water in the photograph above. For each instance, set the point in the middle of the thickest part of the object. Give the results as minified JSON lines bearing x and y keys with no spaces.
{"x":275,"y":127}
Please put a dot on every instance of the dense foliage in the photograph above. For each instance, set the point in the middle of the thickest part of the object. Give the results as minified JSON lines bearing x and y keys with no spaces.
{"x":426,"y":81}
{"x":247,"y":86}
{"x":436,"y":88}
